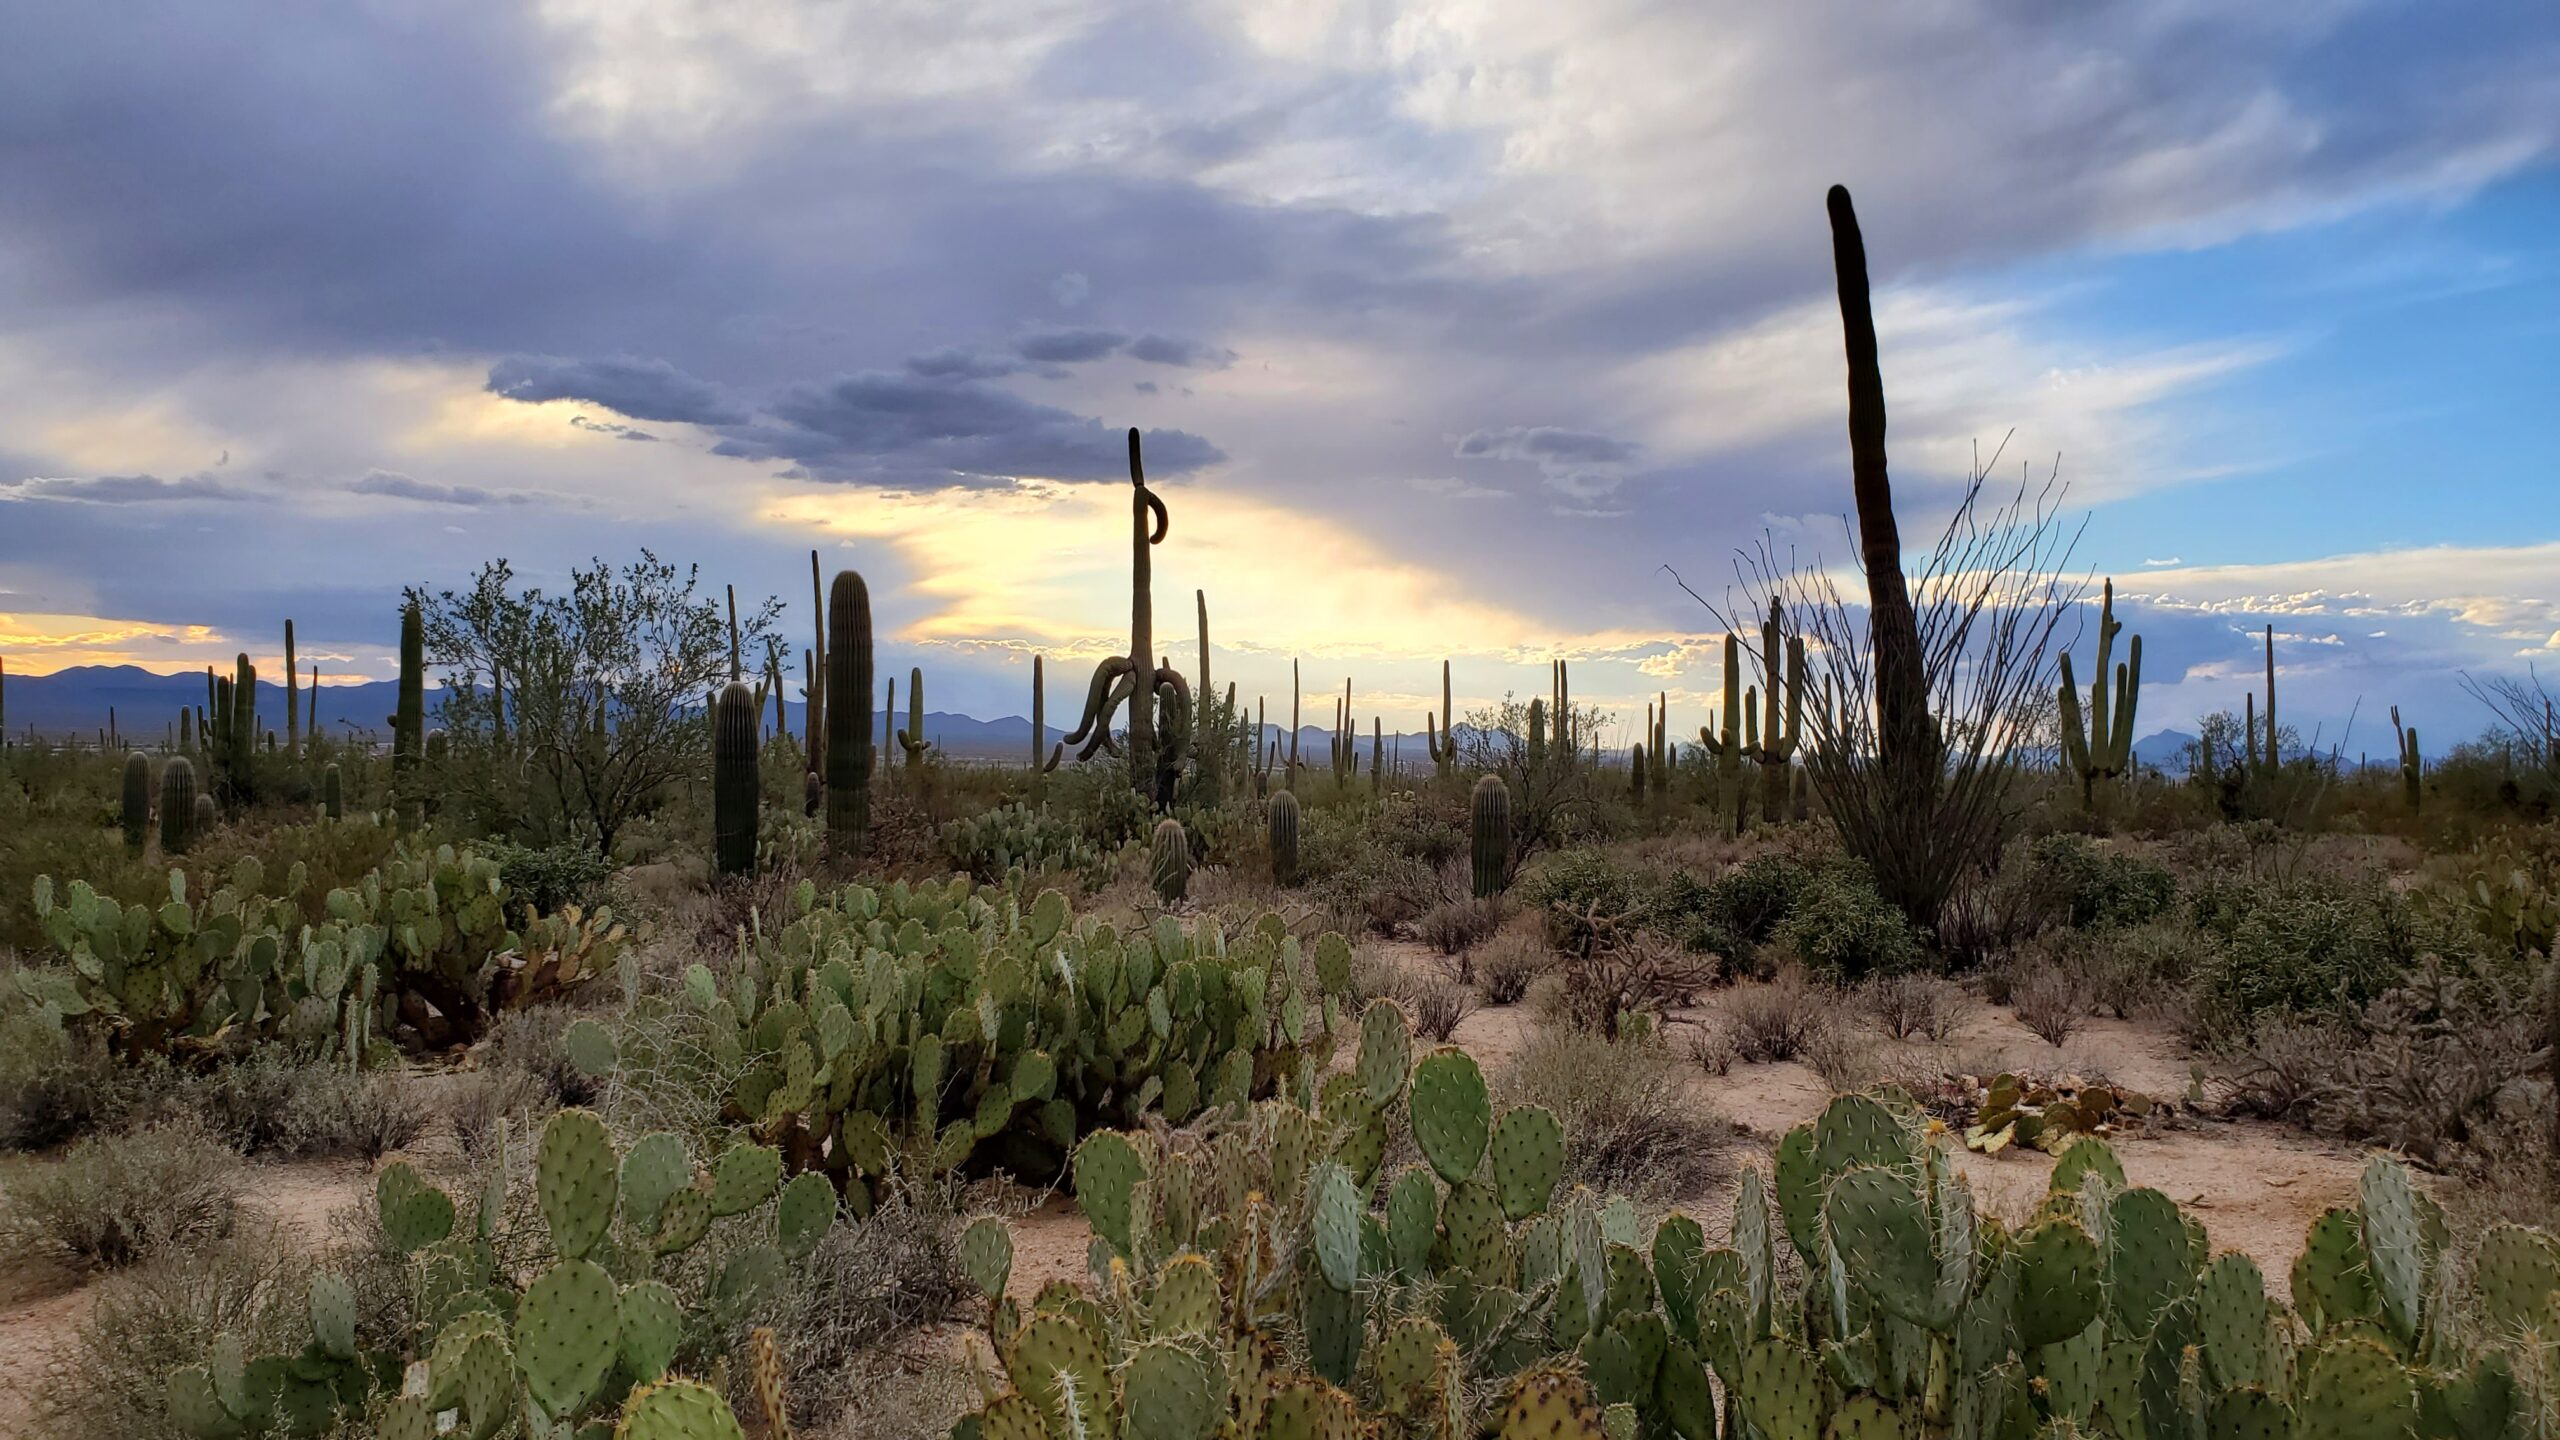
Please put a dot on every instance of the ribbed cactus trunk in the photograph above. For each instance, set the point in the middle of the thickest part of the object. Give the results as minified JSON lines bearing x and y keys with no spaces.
{"x":137,"y":801}
{"x":1209,"y":745}
{"x":815,"y":721}
{"x":1377,"y":753}
{"x":1635,"y":770}
{"x":1143,"y":505}
{"x":735,"y":792}
{"x":208,"y":815}
{"x":2274,"y":758}
{"x":1779,"y":732}
{"x":1284,"y":838}
{"x":1489,"y":834}
{"x":1537,"y":734}
{"x":2103,"y":750}
{"x":847,"y":741}
{"x":333,"y":794}
{"x":186,"y":730}
{"x":911,"y":740}
{"x":244,"y":732}
{"x":1440,"y":732}
{"x":1169,"y":867}
{"x":292,"y":697}
{"x":2412,"y":764}
{"x":177,"y":805}
{"x":409,"y":718}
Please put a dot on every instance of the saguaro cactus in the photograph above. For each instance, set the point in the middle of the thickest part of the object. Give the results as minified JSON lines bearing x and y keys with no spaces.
{"x":1284,"y":838}
{"x":333,"y":794}
{"x":1127,"y":677}
{"x":1210,"y":743}
{"x":2412,"y":765}
{"x":911,"y":739}
{"x":1441,"y":733}
{"x":1726,"y":748}
{"x":409,"y":720}
{"x":847,"y":737}
{"x":734,"y":789}
{"x":292,"y":697}
{"x":814,"y":692}
{"x":1040,"y":767}
{"x":242,"y":762}
{"x":137,"y":801}
{"x":177,"y":805}
{"x":2272,"y":752}
{"x":2103,"y":750}
{"x":1169,"y":867}
{"x":1635,"y":771}
{"x":1489,"y":835}
{"x":1779,"y":733}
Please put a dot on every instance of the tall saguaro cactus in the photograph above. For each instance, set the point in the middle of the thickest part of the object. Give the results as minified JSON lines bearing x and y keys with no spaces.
{"x":814,"y":692}
{"x":1040,"y":767}
{"x":1780,"y":731}
{"x":1284,"y":838}
{"x":292,"y":698}
{"x":177,"y":805}
{"x":1210,"y":744}
{"x":2274,"y":757}
{"x":243,"y":759}
{"x":1489,"y":834}
{"x":1726,"y":747}
{"x":1441,"y":734}
{"x":2103,"y":750}
{"x":911,"y":739}
{"x":848,"y":733}
{"x":734,"y":783}
{"x":2412,"y":765}
{"x":409,"y":719}
{"x":1132,"y":677}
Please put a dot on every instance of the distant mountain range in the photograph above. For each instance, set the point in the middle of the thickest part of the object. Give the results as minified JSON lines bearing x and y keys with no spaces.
{"x":2165,"y":751}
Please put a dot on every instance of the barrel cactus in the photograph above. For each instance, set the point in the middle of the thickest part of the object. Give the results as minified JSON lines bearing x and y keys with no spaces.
{"x":848,"y":743}
{"x":734,"y":788}
{"x":1284,"y":838}
{"x":177,"y":805}
{"x":137,"y":801}
{"x":206,"y":817}
{"x":1169,"y":867}
{"x":1490,"y":835}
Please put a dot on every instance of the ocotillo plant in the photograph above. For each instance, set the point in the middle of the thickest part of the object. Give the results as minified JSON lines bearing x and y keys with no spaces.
{"x":1125,"y":677}
{"x":2412,"y":766}
{"x":1442,"y":733}
{"x":2103,"y":750}
{"x":911,"y":739}
{"x":177,"y":805}
{"x":847,"y":738}
{"x":734,"y":782}
{"x":1169,"y":868}
{"x":1284,"y":838}
{"x":137,"y":801}
{"x":1489,"y":834}
{"x":292,"y":697}
{"x":409,"y":720}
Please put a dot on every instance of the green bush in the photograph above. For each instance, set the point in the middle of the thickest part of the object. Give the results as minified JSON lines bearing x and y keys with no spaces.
{"x":2066,"y":880}
{"x":2313,"y":947}
{"x":114,"y":1200}
{"x":1844,"y":931}
{"x":550,"y":877}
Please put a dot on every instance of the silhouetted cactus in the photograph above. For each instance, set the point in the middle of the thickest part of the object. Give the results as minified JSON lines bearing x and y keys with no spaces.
{"x":1489,"y":834}
{"x":1635,"y":770}
{"x":177,"y":805}
{"x":137,"y":801}
{"x":735,"y":792}
{"x":2412,"y":764}
{"x":848,"y":733}
{"x":409,"y":718}
{"x":1169,"y":867}
{"x":1284,"y":838}
{"x":1778,"y":730}
{"x":333,"y":794}
{"x":1040,"y":767}
{"x":911,"y":739}
{"x":1441,"y":733}
{"x":1124,"y":677}
{"x":292,"y":697}
{"x":2102,"y":750}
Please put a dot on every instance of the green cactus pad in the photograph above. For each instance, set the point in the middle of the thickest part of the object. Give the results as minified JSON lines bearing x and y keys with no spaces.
{"x":1412,"y":1356}
{"x":2330,"y":1282}
{"x":1800,"y":1187}
{"x":1472,"y":1235}
{"x":2231,"y":1316}
{"x":744,"y":1179}
{"x":806,"y":1213}
{"x":652,"y":1326}
{"x":1782,"y":1390}
{"x":2088,"y":1155}
{"x":1336,"y":1222}
{"x":2517,"y":1272}
{"x":1528,"y":1159}
{"x":2355,"y":1390}
{"x":1386,"y":1051}
{"x":2149,"y":1262}
{"x":2060,"y":1275}
{"x":1055,"y":1358}
{"x":414,"y":1214}
{"x":333,"y":1315}
{"x":194,"y":1407}
{"x":575,"y":1172}
{"x":1333,"y":963}
{"x":1186,"y":1299}
{"x":1452,"y":1112}
{"x":1413,"y":1218}
{"x":654,"y":1168}
{"x":683,"y":1220}
{"x":2404,"y":1234}
{"x":1554,"y":1404}
{"x":986,"y":1253}
{"x":567,"y":1328}
{"x":677,"y":1410}
{"x":1169,"y":1392}
{"x":2249,"y":1415}
{"x":1880,"y":1227}
{"x":1864,"y":1417}
{"x":1334,"y":1323}
{"x":1107,"y":1172}
{"x":590,"y":1049}
{"x":403,"y":1417}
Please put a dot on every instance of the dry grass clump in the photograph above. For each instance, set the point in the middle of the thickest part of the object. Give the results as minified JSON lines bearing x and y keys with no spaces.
{"x":2049,"y":1002}
{"x":1438,"y":1006}
{"x":1773,"y":1020}
{"x":1507,"y":964}
{"x":1914,"y":1005}
{"x":115,"y":1200}
{"x":1457,"y":925}
{"x":1631,"y":1123}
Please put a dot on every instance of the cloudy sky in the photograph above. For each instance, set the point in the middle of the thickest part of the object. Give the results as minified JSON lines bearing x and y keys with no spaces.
{"x":1450,"y":322}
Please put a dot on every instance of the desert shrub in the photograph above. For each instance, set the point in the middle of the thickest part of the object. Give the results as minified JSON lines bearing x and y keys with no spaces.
{"x":1754,"y":898}
{"x":2066,"y":880}
{"x":114,"y":1200}
{"x":1627,"y":974}
{"x":56,"y":1086}
{"x":1438,"y":1006}
{"x":1506,"y":964}
{"x":1573,"y":891}
{"x":1358,"y":877}
{"x":1773,"y":1020}
{"x":1711,"y":1048}
{"x":2137,"y":969}
{"x":2306,"y":948}
{"x":268,"y":1105}
{"x":1844,"y":1056}
{"x":1631,"y":1123}
{"x":548,"y":877}
{"x":2285,"y":1067}
{"x":1457,"y":925}
{"x":2048,"y":1001}
{"x":1844,"y":931}
{"x":1908,"y":1004}
{"x":527,"y":1042}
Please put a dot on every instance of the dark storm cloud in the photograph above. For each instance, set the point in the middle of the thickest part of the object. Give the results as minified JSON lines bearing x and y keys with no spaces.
{"x":955,"y":362}
{"x":1189,"y":354}
{"x":397,"y":486}
{"x":118,"y":489}
{"x":897,"y":428}
{"x":1068,"y":347}
{"x":641,"y":389}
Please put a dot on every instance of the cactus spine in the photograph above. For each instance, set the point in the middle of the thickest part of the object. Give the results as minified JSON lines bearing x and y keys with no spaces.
{"x":1442,"y":734}
{"x":1169,"y":868}
{"x":1284,"y":838}
{"x":137,"y":801}
{"x":911,"y":739}
{"x":848,"y":733}
{"x":2102,"y":750}
{"x":409,"y":720}
{"x":292,"y":697}
{"x":333,"y":794}
{"x":177,"y":805}
{"x":734,"y":788}
{"x":2412,"y":765}
{"x":1489,"y":834}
